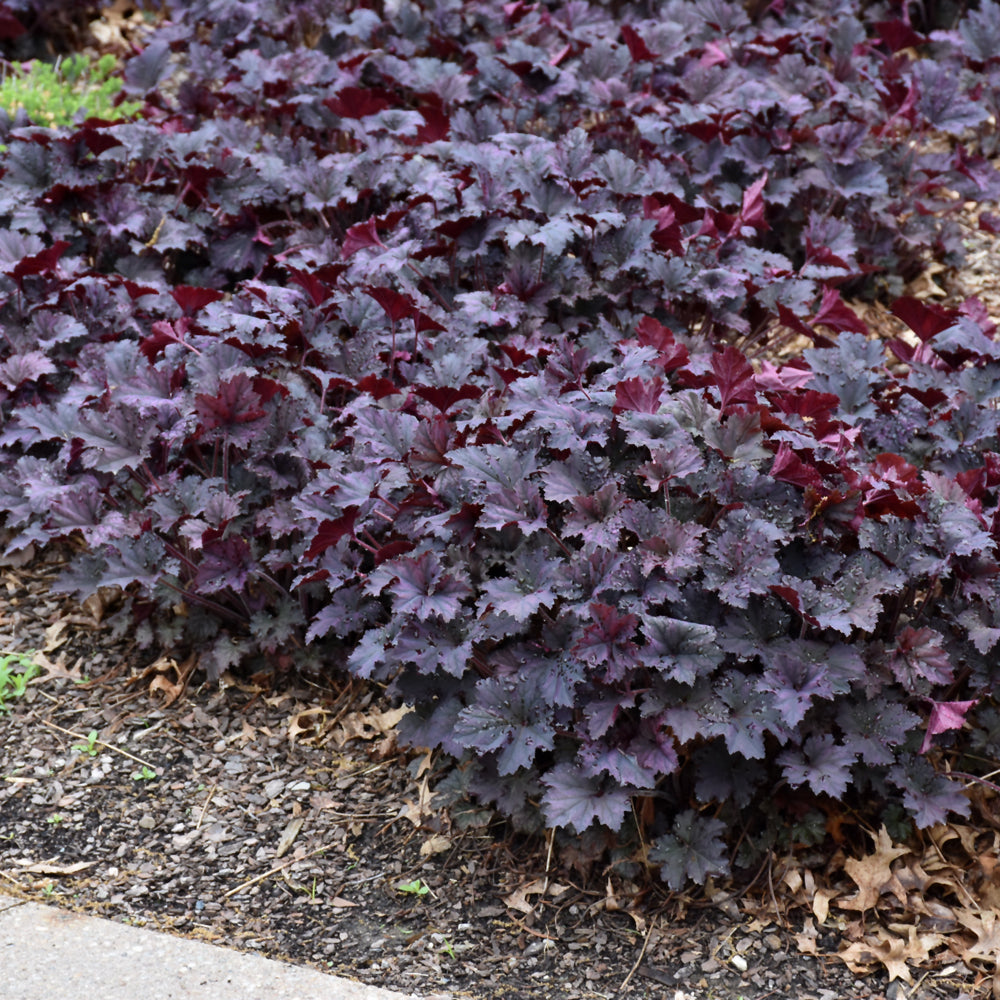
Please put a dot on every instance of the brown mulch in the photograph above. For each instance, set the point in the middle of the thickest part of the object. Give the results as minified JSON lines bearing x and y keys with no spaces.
{"x":288,"y":823}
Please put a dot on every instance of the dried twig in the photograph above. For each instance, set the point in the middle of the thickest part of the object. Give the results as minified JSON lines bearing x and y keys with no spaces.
{"x":10,"y":878}
{"x":548,"y":860}
{"x":100,"y":743}
{"x":273,"y":871}
{"x":639,"y":957}
{"x":211,"y":792}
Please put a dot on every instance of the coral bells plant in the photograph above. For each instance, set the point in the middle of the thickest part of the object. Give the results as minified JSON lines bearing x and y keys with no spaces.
{"x":436,"y":343}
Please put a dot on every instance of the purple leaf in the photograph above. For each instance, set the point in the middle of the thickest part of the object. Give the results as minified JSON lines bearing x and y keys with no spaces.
{"x":231,"y":412}
{"x":639,"y":395}
{"x":822,"y":764}
{"x":692,"y":851}
{"x":360,"y":237}
{"x":942,"y":102}
{"x":837,"y":315}
{"x":331,"y":532}
{"x":920,"y":659}
{"x":422,"y":588}
{"x":396,"y":306}
{"x":608,"y":642}
{"x":792,"y":683}
{"x":636,"y":46}
{"x":224,"y":564}
{"x":21,"y":368}
{"x":945,"y":716}
{"x":146,"y":71}
{"x":191,"y":300}
{"x":734,"y":378}
{"x":356,"y":102}
{"x":505,"y":720}
{"x":576,"y":800}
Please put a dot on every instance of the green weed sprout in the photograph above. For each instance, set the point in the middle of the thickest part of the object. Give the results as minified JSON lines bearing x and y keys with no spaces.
{"x":59,"y":94}
{"x":90,"y":745}
{"x":415,"y":888}
{"x":16,"y":669}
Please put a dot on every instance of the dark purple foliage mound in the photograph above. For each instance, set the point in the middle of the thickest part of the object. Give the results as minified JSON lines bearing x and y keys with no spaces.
{"x":413,"y":340}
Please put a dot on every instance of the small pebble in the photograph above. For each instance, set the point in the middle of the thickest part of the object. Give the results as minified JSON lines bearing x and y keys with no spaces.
{"x":739,"y":962}
{"x":147,"y":822}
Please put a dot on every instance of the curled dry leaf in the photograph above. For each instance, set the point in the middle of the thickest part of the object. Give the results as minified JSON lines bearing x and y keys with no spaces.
{"x":306,"y":726}
{"x":18,"y":558}
{"x":821,"y":903}
{"x":288,"y":836}
{"x":56,"y":635}
{"x":985,"y":949}
{"x":169,"y":677}
{"x":420,"y":811}
{"x":894,"y":948}
{"x":518,"y":899}
{"x":367,"y":725}
{"x":100,"y":603}
{"x":170,"y":691}
{"x":436,"y":844}
{"x":58,"y":667}
{"x":806,"y":940}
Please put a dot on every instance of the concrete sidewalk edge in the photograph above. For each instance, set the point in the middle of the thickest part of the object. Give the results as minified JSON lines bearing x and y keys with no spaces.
{"x":46,"y":952}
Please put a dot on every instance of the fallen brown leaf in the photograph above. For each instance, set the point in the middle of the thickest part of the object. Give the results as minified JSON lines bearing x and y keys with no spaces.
{"x":518,"y":899}
{"x":288,"y":836}
{"x":306,"y":725}
{"x":986,"y":948}
{"x":873,"y":875}
{"x":56,"y":635}
{"x":436,"y":844}
{"x":170,"y":690}
{"x":58,"y":667}
{"x":420,"y":811}
{"x":806,"y":940}
{"x":821,"y":903}
{"x":367,"y":725}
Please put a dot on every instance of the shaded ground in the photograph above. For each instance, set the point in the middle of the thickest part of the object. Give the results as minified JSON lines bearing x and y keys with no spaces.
{"x":245,"y":833}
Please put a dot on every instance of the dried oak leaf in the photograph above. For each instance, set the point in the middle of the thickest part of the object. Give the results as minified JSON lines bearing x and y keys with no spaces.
{"x":891,"y":949}
{"x":873,"y":875}
{"x":807,"y":940}
{"x":420,"y":811}
{"x":306,"y":725}
{"x":367,"y":725}
{"x":986,"y":948}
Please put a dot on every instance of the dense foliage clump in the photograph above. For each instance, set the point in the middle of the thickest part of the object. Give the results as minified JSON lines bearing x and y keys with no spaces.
{"x":59,"y":94}
{"x":435,"y":342}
